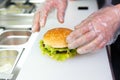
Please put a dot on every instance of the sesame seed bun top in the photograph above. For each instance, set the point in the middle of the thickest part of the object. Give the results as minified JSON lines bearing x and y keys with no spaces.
{"x":56,"y":37}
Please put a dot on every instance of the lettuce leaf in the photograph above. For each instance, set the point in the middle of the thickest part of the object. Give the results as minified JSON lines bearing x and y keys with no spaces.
{"x":59,"y":54}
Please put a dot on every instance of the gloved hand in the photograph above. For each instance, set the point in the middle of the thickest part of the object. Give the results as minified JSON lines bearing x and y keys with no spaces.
{"x":95,"y":31}
{"x":41,"y":14}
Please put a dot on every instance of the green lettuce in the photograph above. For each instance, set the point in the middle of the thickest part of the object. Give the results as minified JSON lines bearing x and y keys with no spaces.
{"x":59,"y":54}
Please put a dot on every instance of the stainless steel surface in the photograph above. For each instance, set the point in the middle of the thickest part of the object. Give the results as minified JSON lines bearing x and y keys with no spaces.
{"x":13,"y":37}
{"x":8,"y":60}
{"x":19,"y":15}
{"x":17,"y":8}
{"x":17,"y":67}
{"x":3,"y":3}
{"x":15,"y":32}
{"x":13,"y":43}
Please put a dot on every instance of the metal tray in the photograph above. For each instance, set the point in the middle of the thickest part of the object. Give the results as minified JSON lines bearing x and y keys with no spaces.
{"x":14,"y":37}
{"x":8,"y":60}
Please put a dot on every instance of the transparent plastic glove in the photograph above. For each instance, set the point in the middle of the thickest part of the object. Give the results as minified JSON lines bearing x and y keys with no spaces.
{"x":95,"y":31}
{"x":41,"y":14}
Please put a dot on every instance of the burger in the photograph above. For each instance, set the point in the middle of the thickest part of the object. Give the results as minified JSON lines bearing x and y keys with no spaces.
{"x":54,"y":44}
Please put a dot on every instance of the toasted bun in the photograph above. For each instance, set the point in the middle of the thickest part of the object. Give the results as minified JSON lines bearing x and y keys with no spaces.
{"x":56,"y":37}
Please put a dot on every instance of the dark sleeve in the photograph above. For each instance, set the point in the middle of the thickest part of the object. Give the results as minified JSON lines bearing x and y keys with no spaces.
{"x":115,"y":53}
{"x":100,"y":3}
{"x":114,"y":2}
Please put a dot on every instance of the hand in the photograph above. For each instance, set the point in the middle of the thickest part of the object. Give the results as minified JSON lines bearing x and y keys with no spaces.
{"x":95,"y":31}
{"x":41,"y":14}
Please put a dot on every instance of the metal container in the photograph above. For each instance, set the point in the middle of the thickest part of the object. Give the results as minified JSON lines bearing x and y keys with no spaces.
{"x":14,"y":37}
{"x":8,"y":60}
{"x":13,"y":43}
